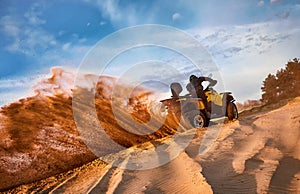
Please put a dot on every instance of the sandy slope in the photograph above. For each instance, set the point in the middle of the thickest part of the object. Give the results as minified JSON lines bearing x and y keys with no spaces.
{"x":181,"y":175}
{"x":260,"y":153}
{"x":39,"y":137}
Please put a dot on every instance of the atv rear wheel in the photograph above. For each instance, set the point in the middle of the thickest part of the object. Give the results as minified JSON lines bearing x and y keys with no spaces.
{"x":197,"y":119}
{"x":232,"y":112}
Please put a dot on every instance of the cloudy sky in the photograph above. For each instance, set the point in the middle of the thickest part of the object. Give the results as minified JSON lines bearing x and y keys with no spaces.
{"x":247,"y":39}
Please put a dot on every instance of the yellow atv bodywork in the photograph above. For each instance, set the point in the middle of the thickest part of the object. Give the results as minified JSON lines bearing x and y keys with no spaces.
{"x":214,"y":97}
{"x":200,"y":105}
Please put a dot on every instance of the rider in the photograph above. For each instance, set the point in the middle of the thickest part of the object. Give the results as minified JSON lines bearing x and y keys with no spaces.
{"x":195,"y":87}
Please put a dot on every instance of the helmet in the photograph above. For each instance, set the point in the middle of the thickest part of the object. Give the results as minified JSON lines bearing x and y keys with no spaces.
{"x":192,"y":77}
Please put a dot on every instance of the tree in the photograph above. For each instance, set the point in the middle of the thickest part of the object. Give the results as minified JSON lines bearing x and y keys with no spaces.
{"x":293,"y":70}
{"x":286,"y":83}
{"x":269,"y":89}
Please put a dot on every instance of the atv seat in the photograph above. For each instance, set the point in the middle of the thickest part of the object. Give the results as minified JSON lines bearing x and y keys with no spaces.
{"x":176,"y":89}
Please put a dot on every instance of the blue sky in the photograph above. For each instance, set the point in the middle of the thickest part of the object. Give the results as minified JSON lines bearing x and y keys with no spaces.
{"x":36,"y":35}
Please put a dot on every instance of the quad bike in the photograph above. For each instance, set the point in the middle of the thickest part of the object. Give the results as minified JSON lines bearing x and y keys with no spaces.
{"x":193,"y":110}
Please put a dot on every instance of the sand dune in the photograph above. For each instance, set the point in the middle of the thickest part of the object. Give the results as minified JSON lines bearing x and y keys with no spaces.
{"x":42,"y":150}
{"x":260,"y":156}
{"x":257,"y":154}
{"x":40,"y":137}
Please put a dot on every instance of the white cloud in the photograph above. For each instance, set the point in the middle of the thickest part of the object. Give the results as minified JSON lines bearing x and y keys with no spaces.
{"x":261,"y":3}
{"x":33,"y":19}
{"x":102,"y":23}
{"x":111,"y":9}
{"x":23,"y":37}
{"x":9,"y":26}
{"x":246,"y":54}
{"x":176,"y":16}
{"x":120,"y":16}
{"x":33,"y":15}
{"x":82,"y":40}
{"x":13,"y":89}
{"x":25,"y":34}
{"x":32,"y":40}
{"x":66,"y":46}
{"x":275,"y":1}
{"x":53,"y":42}
{"x":61,"y":32}
{"x":283,"y":15}
{"x":20,"y":82}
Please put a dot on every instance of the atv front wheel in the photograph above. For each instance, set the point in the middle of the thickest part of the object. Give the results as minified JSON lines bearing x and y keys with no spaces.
{"x":232,"y":111}
{"x":197,"y":119}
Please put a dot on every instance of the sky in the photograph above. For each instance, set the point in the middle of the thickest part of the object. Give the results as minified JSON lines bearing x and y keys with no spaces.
{"x":246,"y":39}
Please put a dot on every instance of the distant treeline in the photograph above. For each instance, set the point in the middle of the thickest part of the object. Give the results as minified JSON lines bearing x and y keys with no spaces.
{"x":285,"y":84}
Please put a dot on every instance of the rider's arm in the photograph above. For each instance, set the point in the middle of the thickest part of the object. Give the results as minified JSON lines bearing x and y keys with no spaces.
{"x":211,"y":81}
